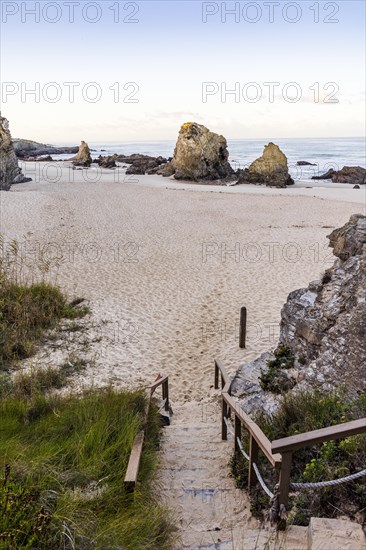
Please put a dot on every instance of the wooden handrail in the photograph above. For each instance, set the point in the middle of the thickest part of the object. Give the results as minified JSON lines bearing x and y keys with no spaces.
{"x":254,"y":430}
{"x":279,"y":452}
{"x":225,"y":378}
{"x":229,"y":404}
{"x":308,"y":439}
{"x":137,"y":446}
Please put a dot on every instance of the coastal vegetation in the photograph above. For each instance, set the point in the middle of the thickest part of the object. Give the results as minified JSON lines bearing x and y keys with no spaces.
{"x":307,"y":411}
{"x":63,"y":456}
{"x":27,"y":310}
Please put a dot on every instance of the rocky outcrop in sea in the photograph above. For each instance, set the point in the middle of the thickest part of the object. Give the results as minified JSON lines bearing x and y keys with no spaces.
{"x":355,"y":175}
{"x":322,"y":331}
{"x":25,"y":148}
{"x":10,"y":172}
{"x":83,"y":157}
{"x":270,"y":169}
{"x":199,"y":155}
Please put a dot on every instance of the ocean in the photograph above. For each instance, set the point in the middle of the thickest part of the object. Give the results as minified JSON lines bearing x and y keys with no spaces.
{"x":325,"y":153}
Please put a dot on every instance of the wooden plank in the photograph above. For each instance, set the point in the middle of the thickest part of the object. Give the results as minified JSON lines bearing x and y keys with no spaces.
{"x":223,"y":423}
{"x":237,"y":430}
{"x":308,"y":439}
{"x":134,"y":462}
{"x":249,"y":424}
{"x":284,"y":487}
{"x":158,"y":383}
{"x":253,"y":457}
{"x":222,"y":369}
{"x":216,"y":384}
{"x":243,"y":328}
{"x":166,"y":394}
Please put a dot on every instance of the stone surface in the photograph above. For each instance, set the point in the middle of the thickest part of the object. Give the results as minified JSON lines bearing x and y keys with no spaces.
{"x":200,"y":155}
{"x":348,"y":174}
{"x":327,"y":176}
{"x":270,"y":169}
{"x":335,"y":534}
{"x":324,"y":325}
{"x":28,"y":148}
{"x":83,"y":157}
{"x":106,"y":162}
{"x":9,"y":170}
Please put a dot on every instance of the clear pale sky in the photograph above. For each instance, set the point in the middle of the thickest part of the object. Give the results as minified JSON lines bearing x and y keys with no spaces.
{"x":169,"y":52}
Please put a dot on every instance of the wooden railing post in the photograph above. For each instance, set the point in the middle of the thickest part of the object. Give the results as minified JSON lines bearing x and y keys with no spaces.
{"x":237,"y":435}
{"x":216,"y":376}
{"x":166,"y":394}
{"x":223,"y":416}
{"x":284,"y":487}
{"x":243,"y":327}
{"x":253,"y":457}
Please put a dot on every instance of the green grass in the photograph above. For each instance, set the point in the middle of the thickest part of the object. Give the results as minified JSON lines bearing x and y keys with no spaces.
{"x":304,"y":412}
{"x":26,"y":312}
{"x":63,"y":461}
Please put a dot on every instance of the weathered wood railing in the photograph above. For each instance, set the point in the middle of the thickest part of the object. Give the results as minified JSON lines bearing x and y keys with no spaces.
{"x":288,"y":445}
{"x":137,"y":447}
{"x":258,"y":440}
{"x":279,"y":452}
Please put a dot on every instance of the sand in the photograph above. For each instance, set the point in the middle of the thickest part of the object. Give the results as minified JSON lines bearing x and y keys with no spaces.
{"x":166,"y":266}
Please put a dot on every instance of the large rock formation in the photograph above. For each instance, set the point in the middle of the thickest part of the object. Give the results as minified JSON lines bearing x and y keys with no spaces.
{"x":199,"y":155}
{"x":83,"y":158}
{"x":27,"y":148}
{"x":354,"y":175}
{"x":270,"y":169}
{"x":323,"y":327}
{"x":9,"y":170}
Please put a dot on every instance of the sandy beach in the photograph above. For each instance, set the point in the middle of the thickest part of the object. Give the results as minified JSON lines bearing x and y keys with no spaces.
{"x":166,"y":266}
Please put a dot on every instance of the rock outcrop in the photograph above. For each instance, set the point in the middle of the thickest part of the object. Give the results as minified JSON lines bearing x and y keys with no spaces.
{"x":305,"y":163}
{"x":83,"y":158}
{"x":199,"y":155}
{"x":27,"y":148}
{"x":270,"y":169}
{"x":323,"y":327}
{"x":139,"y":164}
{"x":9,"y":170}
{"x":350,"y":174}
{"x":355,"y":175}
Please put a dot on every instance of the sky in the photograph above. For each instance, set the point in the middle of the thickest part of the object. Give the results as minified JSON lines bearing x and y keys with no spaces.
{"x":120,"y":71}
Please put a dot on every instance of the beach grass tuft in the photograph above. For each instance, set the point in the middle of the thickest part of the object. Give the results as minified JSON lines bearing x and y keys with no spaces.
{"x":63,"y":461}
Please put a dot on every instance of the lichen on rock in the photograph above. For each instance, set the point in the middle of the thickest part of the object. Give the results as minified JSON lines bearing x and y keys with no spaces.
{"x":83,"y":157}
{"x":270,"y":169}
{"x":199,"y":155}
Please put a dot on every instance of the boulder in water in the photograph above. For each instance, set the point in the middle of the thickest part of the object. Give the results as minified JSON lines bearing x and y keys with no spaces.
{"x":200,"y":155}
{"x":270,"y":169}
{"x":83,"y":158}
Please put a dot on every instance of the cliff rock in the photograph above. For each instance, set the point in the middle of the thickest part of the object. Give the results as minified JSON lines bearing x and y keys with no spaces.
{"x":9,"y":170}
{"x":323,"y":326}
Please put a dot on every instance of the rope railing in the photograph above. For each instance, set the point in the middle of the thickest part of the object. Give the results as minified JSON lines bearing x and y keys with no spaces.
{"x":331,"y":483}
{"x":255,"y":467}
{"x":279,"y":452}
